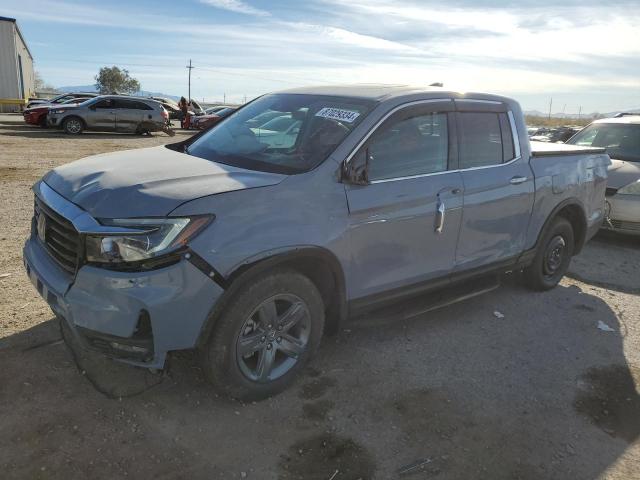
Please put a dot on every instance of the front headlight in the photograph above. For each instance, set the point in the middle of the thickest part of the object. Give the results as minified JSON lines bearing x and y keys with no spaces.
{"x":631,"y":189}
{"x":60,"y":110}
{"x":157,"y":237}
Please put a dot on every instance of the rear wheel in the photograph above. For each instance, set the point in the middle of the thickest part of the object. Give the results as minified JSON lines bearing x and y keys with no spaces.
{"x":265,"y":335}
{"x":553,"y":256}
{"x":72,"y":125}
{"x":43,"y":121}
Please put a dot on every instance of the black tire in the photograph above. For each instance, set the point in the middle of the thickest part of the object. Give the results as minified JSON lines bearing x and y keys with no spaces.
{"x":73,"y":125}
{"x":223,"y":364}
{"x":43,"y":122}
{"x":552,"y":257}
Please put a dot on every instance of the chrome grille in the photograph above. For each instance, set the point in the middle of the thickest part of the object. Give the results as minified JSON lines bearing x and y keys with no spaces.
{"x":61,"y":239}
{"x":622,"y":225}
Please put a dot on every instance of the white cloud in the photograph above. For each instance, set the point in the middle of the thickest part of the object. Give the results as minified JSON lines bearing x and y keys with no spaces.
{"x":538,"y":50}
{"x":237,"y":6}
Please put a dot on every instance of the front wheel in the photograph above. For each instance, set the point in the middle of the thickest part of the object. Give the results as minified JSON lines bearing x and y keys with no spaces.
{"x":552,"y":257}
{"x":264,"y":336}
{"x":73,"y":125}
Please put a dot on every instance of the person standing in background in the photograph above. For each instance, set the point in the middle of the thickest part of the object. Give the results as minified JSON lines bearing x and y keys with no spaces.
{"x":184,"y":109}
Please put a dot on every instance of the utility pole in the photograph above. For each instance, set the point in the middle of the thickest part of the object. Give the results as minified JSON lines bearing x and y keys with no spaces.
{"x":579,"y":112}
{"x":550,"y":104}
{"x":224,"y":96}
{"x":190,"y":68}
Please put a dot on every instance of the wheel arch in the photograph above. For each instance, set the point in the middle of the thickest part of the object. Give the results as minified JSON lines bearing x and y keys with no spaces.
{"x":318,"y":264}
{"x":73,"y":115}
{"x":572,"y":210}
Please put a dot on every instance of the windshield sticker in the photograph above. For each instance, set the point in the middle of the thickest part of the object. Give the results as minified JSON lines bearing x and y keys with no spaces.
{"x":338,"y":114}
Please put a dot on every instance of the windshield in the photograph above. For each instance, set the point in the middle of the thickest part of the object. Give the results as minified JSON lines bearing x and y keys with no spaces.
{"x":61,"y":98}
{"x":282,"y":133}
{"x":622,"y":140}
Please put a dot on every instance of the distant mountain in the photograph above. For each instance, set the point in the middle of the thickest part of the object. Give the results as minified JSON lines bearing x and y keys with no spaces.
{"x":537,"y":113}
{"x":92,"y":88}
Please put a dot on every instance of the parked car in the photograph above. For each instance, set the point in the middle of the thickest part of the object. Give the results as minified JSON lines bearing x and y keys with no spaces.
{"x":621,"y":137}
{"x":202,"y":122}
{"x":196,"y":108}
{"x":215,"y":109}
{"x":60,"y":99}
{"x":279,"y":132}
{"x":170,"y":105}
{"x":250,"y":251}
{"x":553,"y":135}
{"x":37,"y":115}
{"x":110,"y":113}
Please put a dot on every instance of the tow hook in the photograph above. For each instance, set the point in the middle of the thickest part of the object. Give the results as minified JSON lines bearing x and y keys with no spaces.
{"x":607,"y":213}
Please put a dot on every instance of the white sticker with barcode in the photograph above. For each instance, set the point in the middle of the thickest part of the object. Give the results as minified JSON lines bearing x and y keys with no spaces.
{"x":338,"y":114}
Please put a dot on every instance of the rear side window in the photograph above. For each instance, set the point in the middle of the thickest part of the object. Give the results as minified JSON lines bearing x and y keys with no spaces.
{"x":485,"y":139}
{"x":132,"y":105}
{"x":142,"y":106}
{"x":405,"y":147}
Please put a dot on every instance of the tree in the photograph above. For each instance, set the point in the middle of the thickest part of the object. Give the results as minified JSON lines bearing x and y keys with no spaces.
{"x":114,"y":79}
{"x":39,"y":84}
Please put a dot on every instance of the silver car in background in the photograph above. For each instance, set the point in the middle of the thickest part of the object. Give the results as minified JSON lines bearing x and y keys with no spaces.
{"x":621,"y":137}
{"x":110,"y":113}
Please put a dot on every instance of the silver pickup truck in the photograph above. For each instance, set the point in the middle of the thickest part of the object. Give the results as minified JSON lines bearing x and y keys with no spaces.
{"x":249,"y":244}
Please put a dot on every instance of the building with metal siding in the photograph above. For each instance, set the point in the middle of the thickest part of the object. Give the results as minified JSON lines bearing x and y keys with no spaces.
{"x":17,"y":79}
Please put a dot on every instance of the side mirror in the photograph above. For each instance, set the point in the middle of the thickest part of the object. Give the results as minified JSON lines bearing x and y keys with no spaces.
{"x":356,"y":172}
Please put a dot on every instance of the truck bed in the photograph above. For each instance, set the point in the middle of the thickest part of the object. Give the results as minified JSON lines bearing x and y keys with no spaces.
{"x":545,"y":149}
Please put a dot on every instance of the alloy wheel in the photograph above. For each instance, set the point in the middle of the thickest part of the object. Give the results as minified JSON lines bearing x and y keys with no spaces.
{"x":73,"y":125}
{"x":273,"y":338}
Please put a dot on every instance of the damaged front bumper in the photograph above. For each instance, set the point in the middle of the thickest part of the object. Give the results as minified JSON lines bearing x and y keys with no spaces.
{"x":134,"y":317}
{"x":622,"y":214}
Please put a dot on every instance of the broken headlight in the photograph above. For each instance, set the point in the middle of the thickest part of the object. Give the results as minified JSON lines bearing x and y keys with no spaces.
{"x":157,"y":237}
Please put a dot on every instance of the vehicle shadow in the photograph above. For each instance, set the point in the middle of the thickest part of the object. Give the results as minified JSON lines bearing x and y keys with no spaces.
{"x":535,"y":392}
{"x":609,"y":260}
{"x":34,"y":131}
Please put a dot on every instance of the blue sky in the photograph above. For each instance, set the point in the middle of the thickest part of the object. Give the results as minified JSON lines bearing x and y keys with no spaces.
{"x":582,"y":53}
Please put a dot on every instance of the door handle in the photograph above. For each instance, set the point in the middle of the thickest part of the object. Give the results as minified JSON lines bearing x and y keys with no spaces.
{"x":517,"y":180}
{"x":439,"y":223}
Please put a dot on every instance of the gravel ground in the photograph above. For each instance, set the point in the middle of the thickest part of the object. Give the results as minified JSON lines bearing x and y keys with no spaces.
{"x":540,"y":393}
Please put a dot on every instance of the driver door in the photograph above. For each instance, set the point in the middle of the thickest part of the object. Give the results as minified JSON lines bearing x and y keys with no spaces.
{"x":101,"y":115}
{"x":404,"y":225}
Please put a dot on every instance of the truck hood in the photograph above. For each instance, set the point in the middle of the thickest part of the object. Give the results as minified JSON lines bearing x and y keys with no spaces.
{"x":621,"y":173}
{"x":147,"y":182}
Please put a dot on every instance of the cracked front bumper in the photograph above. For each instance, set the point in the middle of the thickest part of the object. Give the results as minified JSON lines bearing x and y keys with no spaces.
{"x":134,"y":317}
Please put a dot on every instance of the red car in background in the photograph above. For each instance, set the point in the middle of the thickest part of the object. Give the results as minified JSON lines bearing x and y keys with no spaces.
{"x":37,"y":115}
{"x":202,"y":122}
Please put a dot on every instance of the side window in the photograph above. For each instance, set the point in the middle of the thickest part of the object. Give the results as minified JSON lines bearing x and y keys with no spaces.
{"x":480,"y":140}
{"x":122,"y":104}
{"x":106,"y":103}
{"x":409,"y":145}
{"x":141,"y":106}
{"x":508,"y":151}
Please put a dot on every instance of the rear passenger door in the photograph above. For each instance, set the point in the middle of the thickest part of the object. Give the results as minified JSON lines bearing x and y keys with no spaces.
{"x":129,"y":115}
{"x":403,"y":226}
{"x":498,"y":185}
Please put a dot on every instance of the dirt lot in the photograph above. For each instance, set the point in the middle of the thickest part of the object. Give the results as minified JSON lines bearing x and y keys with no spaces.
{"x":459,"y":393}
